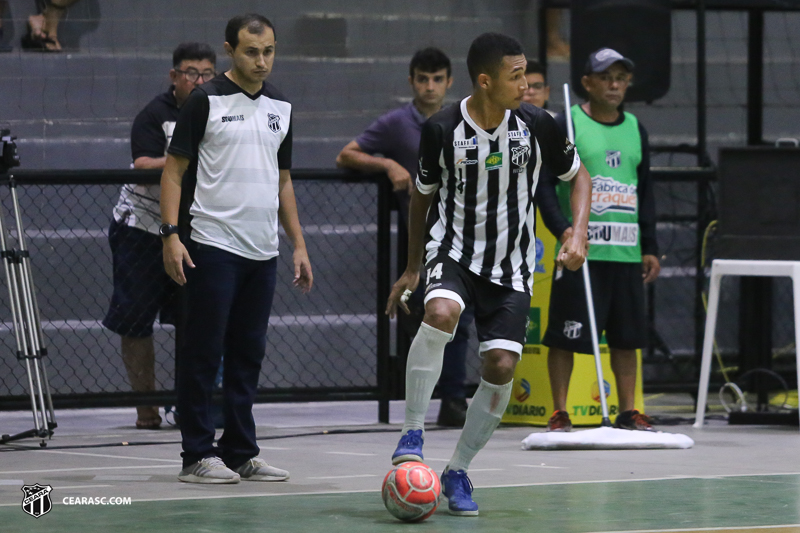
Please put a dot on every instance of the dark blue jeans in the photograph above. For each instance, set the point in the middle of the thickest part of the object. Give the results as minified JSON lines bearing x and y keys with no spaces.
{"x":229,"y":299}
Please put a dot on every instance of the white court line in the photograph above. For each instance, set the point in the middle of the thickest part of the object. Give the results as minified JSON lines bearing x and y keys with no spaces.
{"x":329,"y":492}
{"x":112,"y":456}
{"x":81,"y":487}
{"x":541,"y":466}
{"x":486,"y":469}
{"x":353,"y":453}
{"x":721,"y":528}
{"x":344,"y":477}
{"x":12,"y":482}
{"x":273,"y":448}
{"x":321,"y":493}
{"x":82,"y":469}
{"x":438,"y":460}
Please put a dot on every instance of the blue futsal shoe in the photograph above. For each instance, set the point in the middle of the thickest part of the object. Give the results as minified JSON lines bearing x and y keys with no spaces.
{"x":457,"y":490}
{"x":409,"y":448}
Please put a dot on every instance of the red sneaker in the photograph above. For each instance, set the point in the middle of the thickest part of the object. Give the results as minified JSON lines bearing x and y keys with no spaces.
{"x":559,"y":422}
{"x":635,"y":420}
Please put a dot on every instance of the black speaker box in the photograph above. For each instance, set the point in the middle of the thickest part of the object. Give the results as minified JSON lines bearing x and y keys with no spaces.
{"x":637,"y":29}
{"x":759,"y":203}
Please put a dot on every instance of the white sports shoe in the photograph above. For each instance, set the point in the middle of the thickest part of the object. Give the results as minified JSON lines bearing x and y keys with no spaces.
{"x":208,"y":470}
{"x":257,"y":469}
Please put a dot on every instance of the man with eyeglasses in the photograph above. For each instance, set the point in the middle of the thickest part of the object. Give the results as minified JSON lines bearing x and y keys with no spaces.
{"x":622,"y":233}
{"x":142,"y":289}
{"x":538,"y":91}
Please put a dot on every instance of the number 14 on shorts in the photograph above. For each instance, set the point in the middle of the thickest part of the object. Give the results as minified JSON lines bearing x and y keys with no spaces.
{"x":435,"y":272}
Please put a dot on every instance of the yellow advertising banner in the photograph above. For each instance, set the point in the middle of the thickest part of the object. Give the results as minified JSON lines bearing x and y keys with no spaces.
{"x":531,"y":398}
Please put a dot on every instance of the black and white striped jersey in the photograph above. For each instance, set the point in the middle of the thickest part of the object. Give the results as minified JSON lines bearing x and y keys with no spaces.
{"x":483,"y":215}
{"x":238,"y":143}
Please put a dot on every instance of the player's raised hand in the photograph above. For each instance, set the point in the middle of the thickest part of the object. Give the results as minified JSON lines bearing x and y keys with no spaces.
{"x":573,"y":252}
{"x":401,"y":291}
{"x":303,"y":276}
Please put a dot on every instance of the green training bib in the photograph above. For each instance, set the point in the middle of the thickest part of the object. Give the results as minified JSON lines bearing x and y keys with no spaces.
{"x":611,"y":154}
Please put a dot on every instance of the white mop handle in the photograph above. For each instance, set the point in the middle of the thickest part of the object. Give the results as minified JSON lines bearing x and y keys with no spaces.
{"x":587,"y":284}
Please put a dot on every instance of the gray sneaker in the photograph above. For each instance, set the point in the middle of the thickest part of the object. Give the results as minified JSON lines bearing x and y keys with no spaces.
{"x":257,"y":469}
{"x":208,"y":470}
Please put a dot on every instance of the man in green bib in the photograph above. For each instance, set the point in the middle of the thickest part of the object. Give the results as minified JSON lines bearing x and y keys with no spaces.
{"x":623,"y":252}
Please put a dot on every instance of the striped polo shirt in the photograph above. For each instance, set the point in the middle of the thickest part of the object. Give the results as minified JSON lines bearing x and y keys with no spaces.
{"x":483,"y":216}
{"x":237,"y":143}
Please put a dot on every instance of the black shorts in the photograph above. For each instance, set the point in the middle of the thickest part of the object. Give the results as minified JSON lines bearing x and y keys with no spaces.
{"x":618,"y":294}
{"x":501,"y":313}
{"x":142,"y":287}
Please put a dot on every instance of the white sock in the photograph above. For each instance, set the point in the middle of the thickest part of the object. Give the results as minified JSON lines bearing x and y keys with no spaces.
{"x":483,"y":416}
{"x":423,"y":369}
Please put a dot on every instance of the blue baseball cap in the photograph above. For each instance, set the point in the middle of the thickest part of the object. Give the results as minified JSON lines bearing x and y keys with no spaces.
{"x":601,"y":59}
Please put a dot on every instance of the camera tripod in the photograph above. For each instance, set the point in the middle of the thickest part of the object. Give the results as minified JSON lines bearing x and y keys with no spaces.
{"x":31,"y":350}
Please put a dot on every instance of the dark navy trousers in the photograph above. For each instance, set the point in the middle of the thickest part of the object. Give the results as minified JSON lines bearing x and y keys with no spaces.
{"x":228,"y":302}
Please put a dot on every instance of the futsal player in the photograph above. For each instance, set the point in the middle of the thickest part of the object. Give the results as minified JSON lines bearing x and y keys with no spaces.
{"x":235,"y":131}
{"x":479,"y":166}
{"x":624,"y":251}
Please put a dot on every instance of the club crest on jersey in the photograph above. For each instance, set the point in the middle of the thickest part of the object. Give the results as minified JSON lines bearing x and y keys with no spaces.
{"x":520,"y":155}
{"x":494,"y":160}
{"x":274,"y":122}
{"x":518,"y":135}
{"x":613,"y":158}
{"x":36,"y":501}
{"x":466,"y":143}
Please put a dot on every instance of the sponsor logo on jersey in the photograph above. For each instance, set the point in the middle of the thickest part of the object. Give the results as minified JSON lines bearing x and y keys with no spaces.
{"x":613,"y":233}
{"x":464,"y":162}
{"x":494,"y":160}
{"x":516,"y":135}
{"x":569,"y":147}
{"x":613,"y":158}
{"x":432,"y":286}
{"x":422,"y":171}
{"x":520,"y":155}
{"x":233,"y":118}
{"x":611,"y":196}
{"x":466,"y":143}
{"x":572,"y":329}
{"x":274,"y":122}
{"x":36,"y":501}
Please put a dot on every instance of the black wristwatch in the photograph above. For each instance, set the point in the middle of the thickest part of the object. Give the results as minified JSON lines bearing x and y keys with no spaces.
{"x":167,"y":229}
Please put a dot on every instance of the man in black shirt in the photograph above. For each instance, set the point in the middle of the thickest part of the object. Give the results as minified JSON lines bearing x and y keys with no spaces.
{"x":141,"y":287}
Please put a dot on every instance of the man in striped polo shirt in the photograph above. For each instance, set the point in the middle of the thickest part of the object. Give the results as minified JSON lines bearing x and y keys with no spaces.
{"x":235,"y":132}
{"x":479,"y":166}
{"x":622,"y":233}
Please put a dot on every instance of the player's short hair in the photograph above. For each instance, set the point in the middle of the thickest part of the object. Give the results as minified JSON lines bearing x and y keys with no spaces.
{"x":253,"y":22}
{"x":487,"y":51}
{"x":429,"y":60}
{"x":534,"y":67}
{"x":193,"y":52}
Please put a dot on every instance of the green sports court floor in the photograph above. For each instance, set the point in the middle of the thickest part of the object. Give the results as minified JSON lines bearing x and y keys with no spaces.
{"x":736,"y":478}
